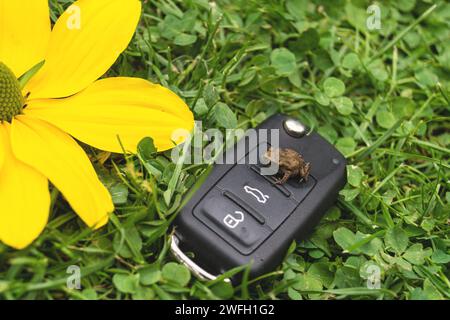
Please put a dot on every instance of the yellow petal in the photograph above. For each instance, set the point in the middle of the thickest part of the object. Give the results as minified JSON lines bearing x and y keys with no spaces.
{"x":128,"y":108}
{"x":58,"y":157}
{"x":24,"y":33}
{"x":24,"y":198}
{"x":2,"y":151}
{"x":85,"y":41}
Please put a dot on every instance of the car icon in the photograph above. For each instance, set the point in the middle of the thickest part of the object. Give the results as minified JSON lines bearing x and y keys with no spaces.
{"x":259,"y":196}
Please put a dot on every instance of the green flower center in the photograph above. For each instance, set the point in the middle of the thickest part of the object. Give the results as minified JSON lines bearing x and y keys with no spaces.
{"x":11,"y":99}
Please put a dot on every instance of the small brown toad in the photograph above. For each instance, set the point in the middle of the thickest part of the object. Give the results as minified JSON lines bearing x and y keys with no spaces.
{"x":291,"y":163}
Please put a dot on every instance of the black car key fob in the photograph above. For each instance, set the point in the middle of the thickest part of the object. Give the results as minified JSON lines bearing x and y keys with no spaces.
{"x":243,"y":215}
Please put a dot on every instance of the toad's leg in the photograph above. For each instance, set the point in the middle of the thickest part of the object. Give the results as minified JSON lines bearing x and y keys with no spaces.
{"x":304,"y":172}
{"x":285,"y":178}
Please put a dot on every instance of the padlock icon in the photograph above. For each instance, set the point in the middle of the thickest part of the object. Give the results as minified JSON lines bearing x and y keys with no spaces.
{"x":232,"y":220}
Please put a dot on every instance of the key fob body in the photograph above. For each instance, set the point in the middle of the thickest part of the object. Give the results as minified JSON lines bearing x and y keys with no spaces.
{"x":239,"y":216}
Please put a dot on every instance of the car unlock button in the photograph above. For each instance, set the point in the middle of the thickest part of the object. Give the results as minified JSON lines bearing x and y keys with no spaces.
{"x":231,"y":222}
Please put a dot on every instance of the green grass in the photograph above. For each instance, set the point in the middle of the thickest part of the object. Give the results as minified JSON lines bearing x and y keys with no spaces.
{"x":381,"y":96}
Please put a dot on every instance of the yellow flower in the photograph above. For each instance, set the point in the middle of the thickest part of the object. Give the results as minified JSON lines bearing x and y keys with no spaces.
{"x":65,"y":100}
